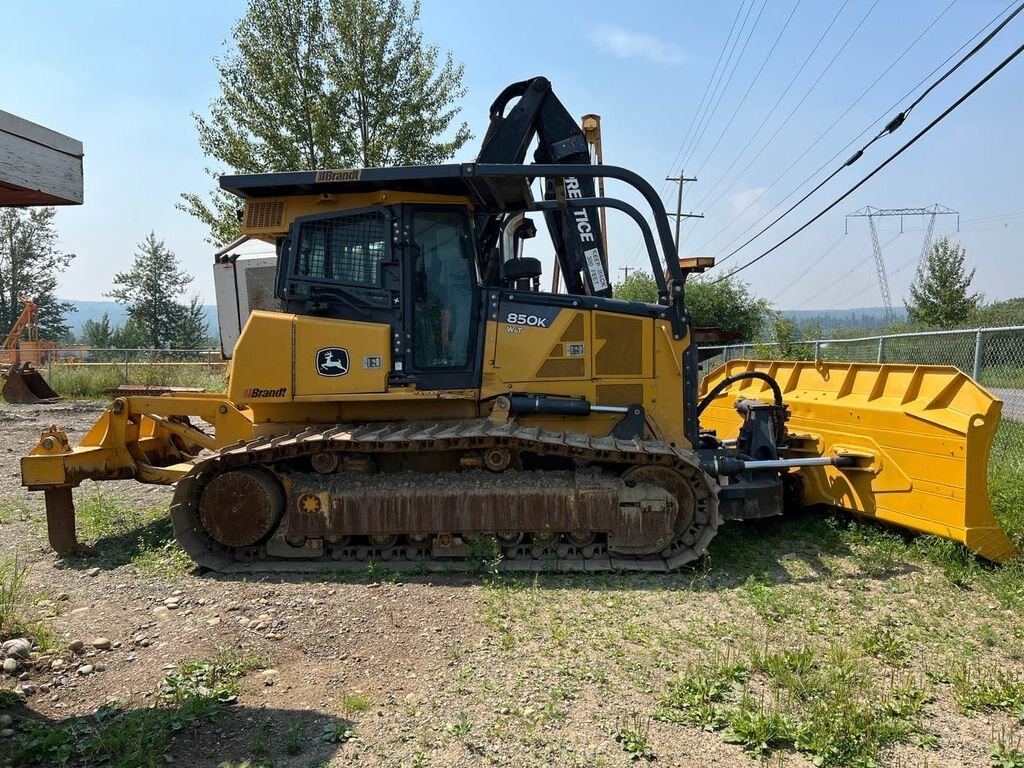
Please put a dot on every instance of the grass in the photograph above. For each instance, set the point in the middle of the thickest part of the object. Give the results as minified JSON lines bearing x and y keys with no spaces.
{"x":355,"y":702}
{"x":825,"y":702}
{"x":126,"y":534}
{"x":15,"y":599}
{"x":89,"y":381}
{"x":13,"y":574}
{"x":632,"y":734}
{"x":1002,"y":376}
{"x":191,"y":695}
{"x":1006,"y":752}
{"x":980,"y":688}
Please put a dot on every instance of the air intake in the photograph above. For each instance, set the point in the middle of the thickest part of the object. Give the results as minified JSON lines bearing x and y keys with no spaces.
{"x":264,"y":215}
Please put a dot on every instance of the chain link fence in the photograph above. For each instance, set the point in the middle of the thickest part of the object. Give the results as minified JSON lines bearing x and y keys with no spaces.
{"x":992,"y":356}
{"x":83,"y":372}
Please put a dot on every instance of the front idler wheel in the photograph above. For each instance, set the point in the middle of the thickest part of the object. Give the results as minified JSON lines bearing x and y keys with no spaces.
{"x":241,"y":507}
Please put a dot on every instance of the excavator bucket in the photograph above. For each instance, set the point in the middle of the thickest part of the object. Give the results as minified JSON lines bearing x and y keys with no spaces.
{"x":24,"y":385}
{"x":918,"y":436}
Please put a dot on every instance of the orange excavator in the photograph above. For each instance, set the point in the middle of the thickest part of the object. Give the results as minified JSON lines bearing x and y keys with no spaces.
{"x":23,"y":384}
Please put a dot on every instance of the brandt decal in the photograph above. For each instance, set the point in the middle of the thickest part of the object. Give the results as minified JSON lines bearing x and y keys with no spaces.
{"x":332,"y":361}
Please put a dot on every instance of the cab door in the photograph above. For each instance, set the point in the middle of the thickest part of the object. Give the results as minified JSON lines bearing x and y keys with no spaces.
{"x":443,"y":307}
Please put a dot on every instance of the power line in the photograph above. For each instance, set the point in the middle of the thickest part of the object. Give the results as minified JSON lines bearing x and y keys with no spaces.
{"x":707,"y":87}
{"x":639,"y":241}
{"x":849,"y":272}
{"x":886,"y":162}
{"x":890,"y":127}
{"x":828,"y":130}
{"x":686,"y":136}
{"x":714,"y":109}
{"x":819,"y":260}
{"x":732,"y":117}
{"x":981,"y":44}
{"x":782,"y":96}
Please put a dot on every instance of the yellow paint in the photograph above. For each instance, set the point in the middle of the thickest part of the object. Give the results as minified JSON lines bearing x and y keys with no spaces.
{"x":127,"y":441}
{"x":645,"y":359}
{"x":368,"y":344}
{"x":922,"y":435}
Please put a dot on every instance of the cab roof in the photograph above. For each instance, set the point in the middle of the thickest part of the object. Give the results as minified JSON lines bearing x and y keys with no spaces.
{"x":489,"y":187}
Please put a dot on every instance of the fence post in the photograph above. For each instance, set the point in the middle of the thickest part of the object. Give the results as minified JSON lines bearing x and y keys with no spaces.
{"x":49,"y":364}
{"x":126,"y":366}
{"x":817,"y":350}
{"x":978,"y":344}
{"x":881,"y":350}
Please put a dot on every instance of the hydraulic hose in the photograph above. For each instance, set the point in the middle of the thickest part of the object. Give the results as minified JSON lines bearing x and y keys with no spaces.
{"x":776,"y":389}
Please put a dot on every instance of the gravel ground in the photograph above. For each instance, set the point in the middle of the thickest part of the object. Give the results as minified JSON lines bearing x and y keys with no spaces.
{"x":460,"y":670}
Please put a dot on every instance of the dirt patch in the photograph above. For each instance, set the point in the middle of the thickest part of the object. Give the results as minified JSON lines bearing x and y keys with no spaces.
{"x":376,"y":669}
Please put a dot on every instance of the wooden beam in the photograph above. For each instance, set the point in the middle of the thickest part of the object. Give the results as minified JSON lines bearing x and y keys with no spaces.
{"x":38,"y":166}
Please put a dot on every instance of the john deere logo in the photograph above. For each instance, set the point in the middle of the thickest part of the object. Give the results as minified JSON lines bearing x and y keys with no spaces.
{"x":332,"y":361}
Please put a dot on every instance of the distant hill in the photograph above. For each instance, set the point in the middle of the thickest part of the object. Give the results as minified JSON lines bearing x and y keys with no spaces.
{"x":866,"y":318}
{"x":93,"y":310}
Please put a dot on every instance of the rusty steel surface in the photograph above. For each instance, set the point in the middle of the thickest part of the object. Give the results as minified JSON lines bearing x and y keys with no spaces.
{"x":150,"y":390}
{"x":668,"y":514}
{"x":479,"y":502}
{"x":24,"y":385}
{"x":241,"y":507}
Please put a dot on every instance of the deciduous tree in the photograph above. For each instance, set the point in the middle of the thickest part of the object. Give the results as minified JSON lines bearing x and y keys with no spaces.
{"x":940,"y":294}
{"x":729,"y":305}
{"x":326,"y":84}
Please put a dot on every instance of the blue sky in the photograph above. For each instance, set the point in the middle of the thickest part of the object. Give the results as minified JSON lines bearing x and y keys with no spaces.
{"x":124,"y":77}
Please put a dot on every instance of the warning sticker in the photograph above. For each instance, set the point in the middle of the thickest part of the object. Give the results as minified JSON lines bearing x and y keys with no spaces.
{"x":596,"y":269}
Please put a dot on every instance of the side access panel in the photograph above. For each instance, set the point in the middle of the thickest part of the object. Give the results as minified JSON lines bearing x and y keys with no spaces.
{"x":921,"y":437}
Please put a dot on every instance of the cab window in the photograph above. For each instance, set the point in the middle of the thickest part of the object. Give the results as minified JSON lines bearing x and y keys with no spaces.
{"x":444,"y":290}
{"x":343,"y":249}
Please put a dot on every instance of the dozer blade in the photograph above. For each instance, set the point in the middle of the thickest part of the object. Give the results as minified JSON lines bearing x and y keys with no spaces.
{"x":24,"y":385}
{"x":919,"y":435}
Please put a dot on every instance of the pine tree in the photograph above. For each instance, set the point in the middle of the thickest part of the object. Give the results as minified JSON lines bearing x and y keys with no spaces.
{"x":326,"y":84}
{"x":939,"y":294}
{"x":150,"y":290}
{"x":193,"y":330}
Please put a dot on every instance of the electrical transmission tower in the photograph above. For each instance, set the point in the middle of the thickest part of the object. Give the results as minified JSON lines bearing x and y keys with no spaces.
{"x":871,"y":213}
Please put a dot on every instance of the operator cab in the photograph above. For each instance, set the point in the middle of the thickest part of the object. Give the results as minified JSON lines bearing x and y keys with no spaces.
{"x":435,"y":252}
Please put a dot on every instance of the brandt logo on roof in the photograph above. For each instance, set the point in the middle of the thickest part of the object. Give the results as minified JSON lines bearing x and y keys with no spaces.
{"x":343,"y":174}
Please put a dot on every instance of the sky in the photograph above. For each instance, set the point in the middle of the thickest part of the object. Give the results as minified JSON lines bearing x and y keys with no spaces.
{"x":124,"y":78}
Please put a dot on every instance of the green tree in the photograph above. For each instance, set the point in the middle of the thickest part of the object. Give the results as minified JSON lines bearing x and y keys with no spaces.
{"x":98,"y":334}
{"x":639,"y":286}
{"x":1008,"y":312}
{"x":131,"y":335}
{"x":150,"y":289}
{"x":729,"y":305}
{"x":791,"y":341}
{"x":326,"y":84}
{"x":939,"y":295}
{"x":193,"y":330}
{"x":30,"y":264}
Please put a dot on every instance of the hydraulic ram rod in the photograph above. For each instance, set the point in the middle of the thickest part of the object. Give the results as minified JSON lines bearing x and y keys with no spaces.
{"x":729,"y":466}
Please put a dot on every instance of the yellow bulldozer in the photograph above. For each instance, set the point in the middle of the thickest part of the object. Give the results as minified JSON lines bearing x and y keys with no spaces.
{"x":412,"y":392}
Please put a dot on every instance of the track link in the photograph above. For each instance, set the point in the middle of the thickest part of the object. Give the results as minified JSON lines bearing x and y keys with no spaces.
{"x":477,"y":435}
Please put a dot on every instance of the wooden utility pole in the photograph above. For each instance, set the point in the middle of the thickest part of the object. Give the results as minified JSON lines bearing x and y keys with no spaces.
{"x":679,"y":215}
